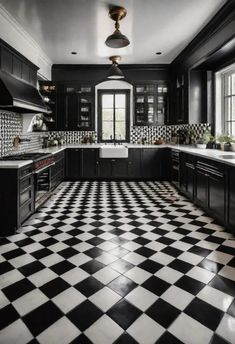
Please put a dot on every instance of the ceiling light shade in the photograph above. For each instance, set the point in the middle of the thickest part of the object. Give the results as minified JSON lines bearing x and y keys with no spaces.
{"x":117,"y":39}
{"x":115,"y":73}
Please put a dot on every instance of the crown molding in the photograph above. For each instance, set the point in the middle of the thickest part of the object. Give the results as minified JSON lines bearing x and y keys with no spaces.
{"x":24,"y":34}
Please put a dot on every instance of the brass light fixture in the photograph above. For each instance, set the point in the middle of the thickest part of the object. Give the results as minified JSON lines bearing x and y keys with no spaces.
{"x":117,"y":39}
{"x":115,"y":72}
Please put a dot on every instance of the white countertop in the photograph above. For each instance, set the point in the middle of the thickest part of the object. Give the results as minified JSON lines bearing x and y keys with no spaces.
{"x":14,"y":164}
{"x":212,"y":154}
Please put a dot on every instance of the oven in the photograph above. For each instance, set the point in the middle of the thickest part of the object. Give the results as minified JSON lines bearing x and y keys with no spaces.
{"x":175,"y":177}
{"x":42,"y":184}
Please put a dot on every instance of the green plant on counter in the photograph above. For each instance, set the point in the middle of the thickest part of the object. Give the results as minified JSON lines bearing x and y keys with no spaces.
{"x":205,"y":138}
{"x":91,"y":138}
{"x":224,"y":138}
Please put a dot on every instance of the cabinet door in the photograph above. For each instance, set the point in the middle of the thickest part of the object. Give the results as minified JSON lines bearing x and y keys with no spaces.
{"x":201,"y":193}
{"x":119,"y":168}
{"x":150,"y":163}
{"x":71,"y":111}
{"x":89,"y":166}
{"x":134,"y":163}
{"x":105,"y":168}
{"x":216,"y":199}
{"x":74,"y":164}
{"x":189,"y":177}
{"x":231,"y":198}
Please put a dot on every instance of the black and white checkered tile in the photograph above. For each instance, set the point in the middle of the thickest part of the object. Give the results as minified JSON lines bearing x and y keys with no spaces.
{"x":118,"y":262}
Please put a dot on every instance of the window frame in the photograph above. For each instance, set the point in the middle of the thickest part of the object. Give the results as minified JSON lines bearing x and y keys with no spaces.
{"x":225,"y":96}
{"x":114,"y":92}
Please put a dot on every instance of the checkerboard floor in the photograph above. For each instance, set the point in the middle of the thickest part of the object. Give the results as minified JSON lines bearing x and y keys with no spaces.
{"x":118,"y":262}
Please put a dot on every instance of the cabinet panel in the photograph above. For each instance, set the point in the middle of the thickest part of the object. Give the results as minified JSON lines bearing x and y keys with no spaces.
{"x":201,"y":193}
{"x":6,"y":61}
{"x":17,"y":67}
{"x":150,"y":163}
{"x":119,"y":168}
{"x":89,"y":165}
{"x":231,"y":198}
{"x":74,"y":164}
{"x":71,"y":111}
{"x":216,"y":199}
{"x":134,"y":163}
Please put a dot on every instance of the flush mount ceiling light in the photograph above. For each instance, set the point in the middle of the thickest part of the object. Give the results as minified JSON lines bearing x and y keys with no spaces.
{"x":115,"y":72}
{"x":117,"y":39}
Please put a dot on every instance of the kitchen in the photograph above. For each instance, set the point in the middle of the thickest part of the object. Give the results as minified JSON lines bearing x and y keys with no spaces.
{"x":117,"y":171}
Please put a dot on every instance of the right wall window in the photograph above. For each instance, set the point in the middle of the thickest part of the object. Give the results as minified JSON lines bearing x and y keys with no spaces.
{"x":225,"y":101}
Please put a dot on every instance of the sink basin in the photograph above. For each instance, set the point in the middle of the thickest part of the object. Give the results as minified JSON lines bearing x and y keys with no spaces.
{"x":231,"y":156}
{"x":112,"y":151}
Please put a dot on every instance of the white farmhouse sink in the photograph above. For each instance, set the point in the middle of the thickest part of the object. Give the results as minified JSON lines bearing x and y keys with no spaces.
{"x":113,"y":151}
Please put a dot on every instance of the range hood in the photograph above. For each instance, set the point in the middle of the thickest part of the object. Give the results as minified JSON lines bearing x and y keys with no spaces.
{"x":18,"y":96}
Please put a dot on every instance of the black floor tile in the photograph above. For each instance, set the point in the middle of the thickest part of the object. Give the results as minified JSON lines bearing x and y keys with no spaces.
{"x":31,"y":268}
{"x":84,"y":315}
{"x":205,"y":313}
{"x":223,"y":284}
{"x":62,"y":267}
{"x":200,"y":251}
{"x":231,"y":309}
{"x":145,"y":251}
{"x":168,"y":338}
{"x":5,"y":267}
{"x":163,"y":313}
{"x":89,"y":286}
{"x":13,"y":254}
{"x":39,"y":254}
{"x":42,"y":317}
{"x":18,"y":289}
{"x":210,"y":265}
{"x":150,"y":266}
{"x":190,"y":284}
{"x":54,"y":287}
{"x":8,"y":315}
{"x":122,"y":285}
{"x":68,"y":252}
{"x":180,"y":266}
{"x":92,"y":266}
{"x":124,"y":314}
{"x":156,"y":285}
{"x":125,"y":338}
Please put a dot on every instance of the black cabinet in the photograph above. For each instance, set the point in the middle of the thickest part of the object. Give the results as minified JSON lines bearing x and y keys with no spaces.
{"x":150,"y":104}
{"x":57,"y":170}
{"x":151,"y":163}
{"x":210,"y":188}
{"x":89,"y":163}
{"x":134,"y":163}
{"x":75,"y":107}
{"x":48,"y":91}
{"x":187,"y":174}
{"x":12,"y":62}
{"x":17,"y":198}
{"x":231,"y":198}
{"x":73,"y":164}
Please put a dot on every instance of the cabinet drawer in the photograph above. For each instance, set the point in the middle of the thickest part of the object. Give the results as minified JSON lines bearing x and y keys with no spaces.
{"x":25,"y":196}
{"x":25,"y":171}
{"x":26,"y":183}
{"x":25,"y":211}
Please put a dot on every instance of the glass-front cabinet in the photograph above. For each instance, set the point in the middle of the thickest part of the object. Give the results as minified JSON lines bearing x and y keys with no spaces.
{"x":150,"y":104}
{"x":78,"y":107}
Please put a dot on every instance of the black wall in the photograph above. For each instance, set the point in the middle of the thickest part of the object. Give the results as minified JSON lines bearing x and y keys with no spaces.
{"x":98,"y":73}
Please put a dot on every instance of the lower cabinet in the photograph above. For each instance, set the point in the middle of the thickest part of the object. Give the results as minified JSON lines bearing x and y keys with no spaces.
{"x":231,"y":199}
{"x":57,"y":171}
{"x":16,"y":198}
{"x":187,"y":174}
{"x":142,"y":163}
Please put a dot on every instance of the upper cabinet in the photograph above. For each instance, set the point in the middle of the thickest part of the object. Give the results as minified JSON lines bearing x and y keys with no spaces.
{"x":76,"y":107}
{"x":150,"y":104}
{"x":16,"y":64}
{"x":72,"y":105}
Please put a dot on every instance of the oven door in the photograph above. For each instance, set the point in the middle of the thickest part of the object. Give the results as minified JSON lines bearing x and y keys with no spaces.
{"x":42,"y":185}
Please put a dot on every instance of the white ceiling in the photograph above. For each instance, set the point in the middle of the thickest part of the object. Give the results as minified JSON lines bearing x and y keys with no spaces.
{"x":62,"y":26}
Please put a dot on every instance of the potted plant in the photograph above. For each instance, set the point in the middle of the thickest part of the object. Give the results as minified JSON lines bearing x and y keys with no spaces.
{"x":211,"y":142}
{"x":225,"y":141}
{"x":202,"y":140}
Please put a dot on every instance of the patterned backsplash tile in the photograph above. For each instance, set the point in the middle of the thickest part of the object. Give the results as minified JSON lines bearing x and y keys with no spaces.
{"x":11,"y":125}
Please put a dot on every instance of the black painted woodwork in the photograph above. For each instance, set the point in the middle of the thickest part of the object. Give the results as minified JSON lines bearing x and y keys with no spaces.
{"x":57,"y":170}
{"x":231,"y":198}
{"x":16,"y":199}
{"x":12,"y":62}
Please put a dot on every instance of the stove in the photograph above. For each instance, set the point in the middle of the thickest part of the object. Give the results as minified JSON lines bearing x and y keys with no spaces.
{"x":40,"y":160}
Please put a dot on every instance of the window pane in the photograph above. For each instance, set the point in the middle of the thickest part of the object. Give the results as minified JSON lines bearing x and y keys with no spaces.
{"x":120,"y":130}
{"x":120,"y":114}
{"x":107,"y":101}
{"x":120,"y":101}
{"x":107,"y":131}
{"x":233,"y":83}
{"x":107,"y":114}
{"x":233,"y":108}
